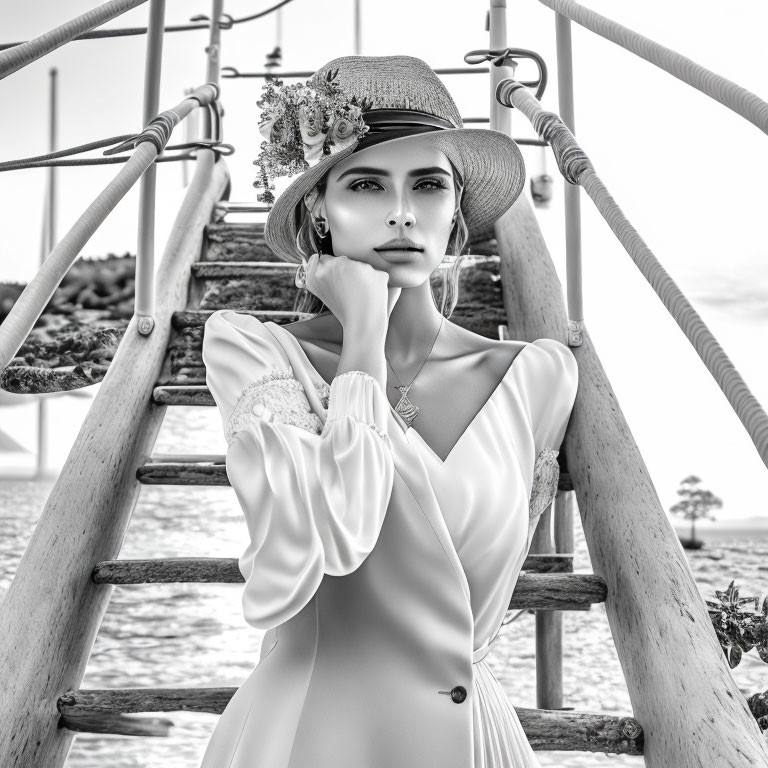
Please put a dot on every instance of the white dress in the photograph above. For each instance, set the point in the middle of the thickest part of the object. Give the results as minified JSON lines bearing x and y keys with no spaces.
{"x":382,"y":572}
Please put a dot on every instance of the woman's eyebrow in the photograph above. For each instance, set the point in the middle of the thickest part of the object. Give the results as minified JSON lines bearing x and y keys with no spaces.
{"x":383,"y":172}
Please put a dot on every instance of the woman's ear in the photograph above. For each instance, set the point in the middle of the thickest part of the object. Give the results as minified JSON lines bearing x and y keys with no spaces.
{"x":311,"y":200}
{"x":315,"y":201}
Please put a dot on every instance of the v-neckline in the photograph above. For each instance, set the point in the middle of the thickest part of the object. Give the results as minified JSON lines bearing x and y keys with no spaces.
{"x":404,"y":428}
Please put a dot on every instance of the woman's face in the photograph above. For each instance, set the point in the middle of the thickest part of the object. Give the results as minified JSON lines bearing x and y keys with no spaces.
{"x":391,"y":192}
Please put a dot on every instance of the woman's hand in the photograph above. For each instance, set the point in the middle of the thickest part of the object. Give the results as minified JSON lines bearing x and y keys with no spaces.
{"x":356,"y":292}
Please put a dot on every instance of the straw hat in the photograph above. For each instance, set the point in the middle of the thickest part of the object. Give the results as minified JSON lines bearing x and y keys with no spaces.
{"x":402,"y":98}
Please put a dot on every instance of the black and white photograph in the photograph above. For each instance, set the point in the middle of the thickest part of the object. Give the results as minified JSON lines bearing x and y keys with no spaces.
{"x":383,"y":384}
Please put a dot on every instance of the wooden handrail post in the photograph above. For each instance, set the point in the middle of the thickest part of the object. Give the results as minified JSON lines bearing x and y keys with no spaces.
{"x":549,"y":630}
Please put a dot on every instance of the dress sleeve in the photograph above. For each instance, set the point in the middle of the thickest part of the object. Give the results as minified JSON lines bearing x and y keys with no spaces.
{"x":314,"y":494}
{"x":550,"y":412}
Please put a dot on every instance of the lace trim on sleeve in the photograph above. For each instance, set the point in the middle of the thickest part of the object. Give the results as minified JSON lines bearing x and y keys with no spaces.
{"x":546,"y":474}
{"x":276,"y":396}
{"x":280,"y":396}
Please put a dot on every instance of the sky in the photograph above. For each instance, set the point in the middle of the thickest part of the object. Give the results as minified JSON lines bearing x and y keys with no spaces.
{"x":688,"y":173}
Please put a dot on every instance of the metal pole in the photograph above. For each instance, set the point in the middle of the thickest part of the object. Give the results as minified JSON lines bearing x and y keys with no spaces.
{"x":213,"y":66}
{"x":145,"y":254}
{"x":187,"y":138}
{"x":49,"y":242}
{"x":501,"y":117}
{"x":357,"y":28}
{"x":572,"y":191}
{"x":549,"y":624}
{"x":52,"y":143}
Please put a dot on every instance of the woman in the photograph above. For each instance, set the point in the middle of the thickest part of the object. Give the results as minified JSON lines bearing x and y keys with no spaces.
{"x":390,"y":464}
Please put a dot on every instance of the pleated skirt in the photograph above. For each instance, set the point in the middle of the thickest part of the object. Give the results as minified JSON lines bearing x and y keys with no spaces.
{"x":500,"y":741}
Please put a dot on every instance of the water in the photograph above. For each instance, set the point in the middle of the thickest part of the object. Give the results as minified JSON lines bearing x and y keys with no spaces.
{"x":192,"y":635}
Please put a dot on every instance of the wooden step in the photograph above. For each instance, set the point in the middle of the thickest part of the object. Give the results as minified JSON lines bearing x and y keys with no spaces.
{"x":196,"y":318}
{"x":533,"y":591}
{"x":564,"y":482}
{"x":209,"y":473}
{"x":184,"y":394}
{"x":244,"y":241}
{"x":182,"y":473}
{"x":176,"y":569}
{"x":546,"y":729}
{"x":243,"y":269}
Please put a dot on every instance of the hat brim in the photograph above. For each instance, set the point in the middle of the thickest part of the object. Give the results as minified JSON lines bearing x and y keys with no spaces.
{"x":489,"y":161}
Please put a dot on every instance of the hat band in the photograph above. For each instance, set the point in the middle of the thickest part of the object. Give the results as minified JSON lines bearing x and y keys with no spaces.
{"x":388,"y":124}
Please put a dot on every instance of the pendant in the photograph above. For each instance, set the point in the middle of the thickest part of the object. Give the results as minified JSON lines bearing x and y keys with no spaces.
{"x":405,"y":407}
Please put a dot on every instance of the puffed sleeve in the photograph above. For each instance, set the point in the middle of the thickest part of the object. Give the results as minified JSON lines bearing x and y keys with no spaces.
{"x":550,"y":406}
{"x":314,"y":494}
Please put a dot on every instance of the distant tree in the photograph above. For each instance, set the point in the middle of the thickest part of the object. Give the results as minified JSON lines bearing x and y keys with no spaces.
{"x":696,"y":502}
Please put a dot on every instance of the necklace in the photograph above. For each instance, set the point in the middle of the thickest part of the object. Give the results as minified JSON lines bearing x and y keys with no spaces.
{"x":405,"y":407}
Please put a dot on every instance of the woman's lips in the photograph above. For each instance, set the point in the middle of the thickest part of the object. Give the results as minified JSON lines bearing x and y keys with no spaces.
{"x":398,"y":254}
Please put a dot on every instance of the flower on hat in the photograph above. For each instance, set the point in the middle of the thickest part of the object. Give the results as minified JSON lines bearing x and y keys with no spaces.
{"x":311,"y":120}
{"x":300,"y":123}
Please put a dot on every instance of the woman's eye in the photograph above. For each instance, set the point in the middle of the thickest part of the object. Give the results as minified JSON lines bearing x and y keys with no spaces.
{"x":434,"y":182}
{"x":357,"y":184}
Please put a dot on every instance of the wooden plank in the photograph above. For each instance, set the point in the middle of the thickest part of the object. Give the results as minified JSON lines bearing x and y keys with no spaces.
{"x":185,"y":473}
{"x":195,"y":318}
{"x":545,"y":592}
{"x":182,"y":395}
{"x":129,"y":571}
{"x":243,"y":269}
{"x":545,"y":729}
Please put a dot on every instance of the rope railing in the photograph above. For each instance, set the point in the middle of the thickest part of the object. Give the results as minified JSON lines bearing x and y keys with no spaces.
{"x":36,"y":295}
{"x":576,"y":168}
{"x":18,"y":57}
{"x":233,"y":72}
{"x":226,"y":22}
{"x":54,"y":158}
{"x":729,"y":94}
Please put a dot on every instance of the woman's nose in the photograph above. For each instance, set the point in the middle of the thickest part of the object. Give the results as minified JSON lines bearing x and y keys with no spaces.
{"x":406,"y":218}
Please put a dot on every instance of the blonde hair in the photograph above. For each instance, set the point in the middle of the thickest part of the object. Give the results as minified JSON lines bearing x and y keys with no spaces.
{"x":307,"y":243}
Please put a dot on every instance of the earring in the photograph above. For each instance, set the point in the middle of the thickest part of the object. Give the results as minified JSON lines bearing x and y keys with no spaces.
{"x":301,"y":274}
{"x":321,"y":226}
